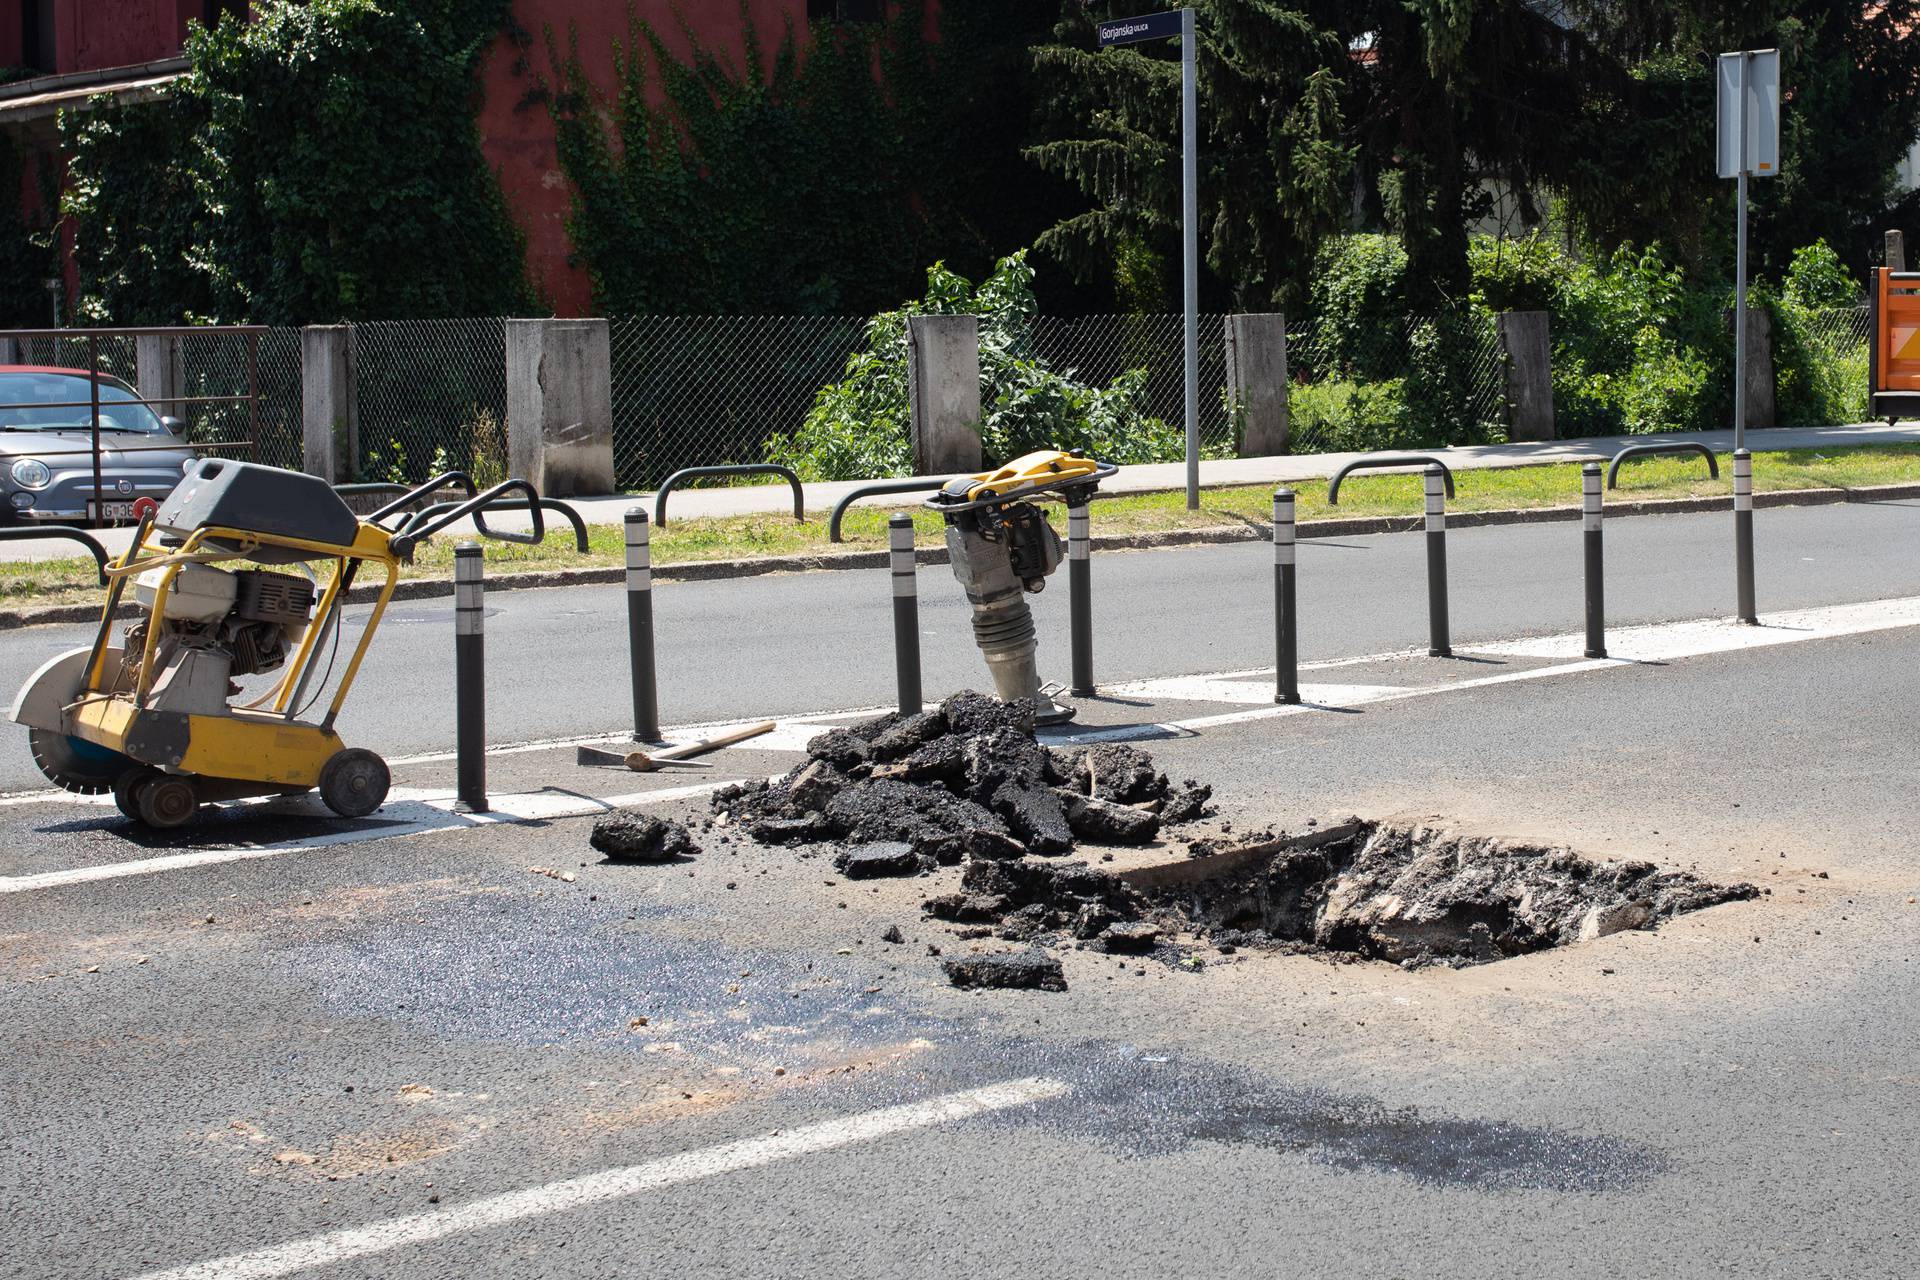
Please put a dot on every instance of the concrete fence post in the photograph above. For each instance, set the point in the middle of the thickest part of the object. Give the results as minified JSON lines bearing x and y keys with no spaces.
{"x":1526,"y":338}
{"x":160,"y":373}
{"x":943,"y":393}
{"x":1896,"y":251}
{"x":329,"y":404}
{"x":1257,"y":382}
{"x":560,"y":406}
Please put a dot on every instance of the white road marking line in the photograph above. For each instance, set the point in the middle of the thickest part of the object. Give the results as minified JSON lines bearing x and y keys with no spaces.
{"x":786,"y":728}
{"x":1211,"y":689}
{"x":410,"y":814}
{"x":1668,"y":641}
{"x":614,"y":1184}
{"x":1422,"y":691}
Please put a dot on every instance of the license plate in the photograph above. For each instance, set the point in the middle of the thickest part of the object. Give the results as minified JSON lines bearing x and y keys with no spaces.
{"x":114,"y":511}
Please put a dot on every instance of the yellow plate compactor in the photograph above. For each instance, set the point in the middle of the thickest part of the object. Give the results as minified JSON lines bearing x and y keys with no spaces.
{"x":157,"y":717}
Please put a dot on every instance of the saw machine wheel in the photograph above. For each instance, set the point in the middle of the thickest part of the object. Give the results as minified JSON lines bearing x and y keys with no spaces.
{"x":126,"y":790}
{"x":74,"y":764}
{"x":354,"y":782}
{"x":166,"y":801}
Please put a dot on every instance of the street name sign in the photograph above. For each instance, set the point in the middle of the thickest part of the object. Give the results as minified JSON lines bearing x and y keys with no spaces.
{"x":1151,"y":26}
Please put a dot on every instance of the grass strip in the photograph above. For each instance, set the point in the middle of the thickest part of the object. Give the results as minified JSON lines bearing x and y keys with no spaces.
{"x":34,"y":583}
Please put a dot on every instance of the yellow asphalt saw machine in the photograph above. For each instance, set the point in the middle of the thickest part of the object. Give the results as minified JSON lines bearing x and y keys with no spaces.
{"x":157,"y":717}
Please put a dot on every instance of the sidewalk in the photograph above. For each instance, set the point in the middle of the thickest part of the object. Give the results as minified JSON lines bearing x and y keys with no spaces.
{"x":777,"y":499}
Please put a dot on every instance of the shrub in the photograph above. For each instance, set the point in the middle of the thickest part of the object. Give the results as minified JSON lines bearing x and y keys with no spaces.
{"x":860,"y":426}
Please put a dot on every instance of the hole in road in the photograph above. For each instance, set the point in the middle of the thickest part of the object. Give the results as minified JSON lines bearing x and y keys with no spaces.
{"x":1411,"y":894}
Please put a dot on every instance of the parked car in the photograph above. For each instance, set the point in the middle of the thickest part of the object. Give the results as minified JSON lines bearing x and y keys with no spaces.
{"x":46,"y":438}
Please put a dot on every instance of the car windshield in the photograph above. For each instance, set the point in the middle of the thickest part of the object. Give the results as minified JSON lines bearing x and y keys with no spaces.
{"x":35,"y":400}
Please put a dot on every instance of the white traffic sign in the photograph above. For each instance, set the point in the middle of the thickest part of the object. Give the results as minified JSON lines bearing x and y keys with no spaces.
{"x":1748,"y":138}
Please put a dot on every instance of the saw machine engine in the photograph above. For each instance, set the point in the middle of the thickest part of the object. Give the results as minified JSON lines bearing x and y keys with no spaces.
{"x":214,"y":624}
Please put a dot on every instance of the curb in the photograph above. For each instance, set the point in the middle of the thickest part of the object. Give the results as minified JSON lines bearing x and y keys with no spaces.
{"x":713,"y":570}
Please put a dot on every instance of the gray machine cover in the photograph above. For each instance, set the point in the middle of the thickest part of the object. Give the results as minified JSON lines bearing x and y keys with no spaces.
{"x":245,"y":495}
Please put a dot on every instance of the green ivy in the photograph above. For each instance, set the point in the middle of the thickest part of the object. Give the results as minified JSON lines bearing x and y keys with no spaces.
{"x":798,"y":180}
{"x":860,"y":426}
{"x":318,"y":163}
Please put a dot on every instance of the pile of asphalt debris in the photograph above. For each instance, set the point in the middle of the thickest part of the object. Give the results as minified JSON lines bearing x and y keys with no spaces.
{"x":1410,"y":894}
{"x":963,"y":781}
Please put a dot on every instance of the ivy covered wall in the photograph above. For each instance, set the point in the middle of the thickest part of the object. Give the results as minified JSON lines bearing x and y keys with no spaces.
{"x":318,"y":163}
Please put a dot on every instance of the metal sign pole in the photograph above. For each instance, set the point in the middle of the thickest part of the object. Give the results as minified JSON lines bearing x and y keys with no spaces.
{"x":1747,"y":137}
{"x":1161,"y":26}
{"x":1190,"y":235}
{"x":1740,"y":270}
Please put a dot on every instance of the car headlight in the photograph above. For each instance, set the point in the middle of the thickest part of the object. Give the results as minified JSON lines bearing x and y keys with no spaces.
{"x":31,"y":473}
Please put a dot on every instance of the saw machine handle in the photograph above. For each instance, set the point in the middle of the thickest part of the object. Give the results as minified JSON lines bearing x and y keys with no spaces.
{"x":434,"y":485}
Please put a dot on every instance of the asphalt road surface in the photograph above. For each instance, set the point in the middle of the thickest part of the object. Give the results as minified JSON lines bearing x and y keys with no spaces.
{"x":416,"y":1056}
{"x":797,"y":643}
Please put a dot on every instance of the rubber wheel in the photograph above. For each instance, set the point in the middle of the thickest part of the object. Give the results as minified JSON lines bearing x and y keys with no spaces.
{"x":126,"y":790}
{"x":354,"y":783}
{"x":166,"y":801}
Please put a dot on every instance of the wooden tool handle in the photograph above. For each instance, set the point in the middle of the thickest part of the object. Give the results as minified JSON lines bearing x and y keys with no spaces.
{"x":714,"y":743}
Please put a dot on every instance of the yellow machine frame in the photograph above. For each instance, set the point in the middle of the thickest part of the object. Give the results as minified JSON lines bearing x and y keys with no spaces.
{"x":248,"y":745}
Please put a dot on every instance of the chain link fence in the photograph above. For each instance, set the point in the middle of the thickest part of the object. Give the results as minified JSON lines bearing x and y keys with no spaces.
{"x":431,"y":395}
{"x":699,"y":390}
{"x":702,"y":390}
{"x":1395,"y":383}
{"x":1099,"y":349}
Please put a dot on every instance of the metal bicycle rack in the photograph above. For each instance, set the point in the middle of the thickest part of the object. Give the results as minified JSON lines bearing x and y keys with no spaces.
{"x":918,"y":484}
{"x":67,"y":531}
{"x":1649,"y":450}
{"x":1382,"y":461}
{"x":673,"y":482}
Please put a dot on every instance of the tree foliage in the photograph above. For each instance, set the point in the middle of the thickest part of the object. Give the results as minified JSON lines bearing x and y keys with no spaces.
{"x":1411,"y":115}
{"x":318,"y":163}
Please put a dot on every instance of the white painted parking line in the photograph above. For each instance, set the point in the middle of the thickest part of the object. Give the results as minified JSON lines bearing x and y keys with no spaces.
{"x":614,"y":1184}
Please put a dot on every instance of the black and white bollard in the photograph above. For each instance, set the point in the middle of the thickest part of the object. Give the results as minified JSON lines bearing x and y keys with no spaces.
{"x":470,"y":677}
{"x":646,"y":695}
{"x":1590,"y":517}
{"x":1286,"y":640}
{"x":1743,"y":533}
{"x":1438,"y":644}
{"x":1080,"y":599}
{"x":906,"y":611}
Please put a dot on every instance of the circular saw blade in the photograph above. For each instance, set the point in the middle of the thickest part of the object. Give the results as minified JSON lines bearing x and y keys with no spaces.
{"x":74,"y":764}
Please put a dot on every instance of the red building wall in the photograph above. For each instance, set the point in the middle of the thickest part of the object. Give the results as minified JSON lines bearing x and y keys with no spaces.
{"x":518,"y":136}
{"x":91,"y":35}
